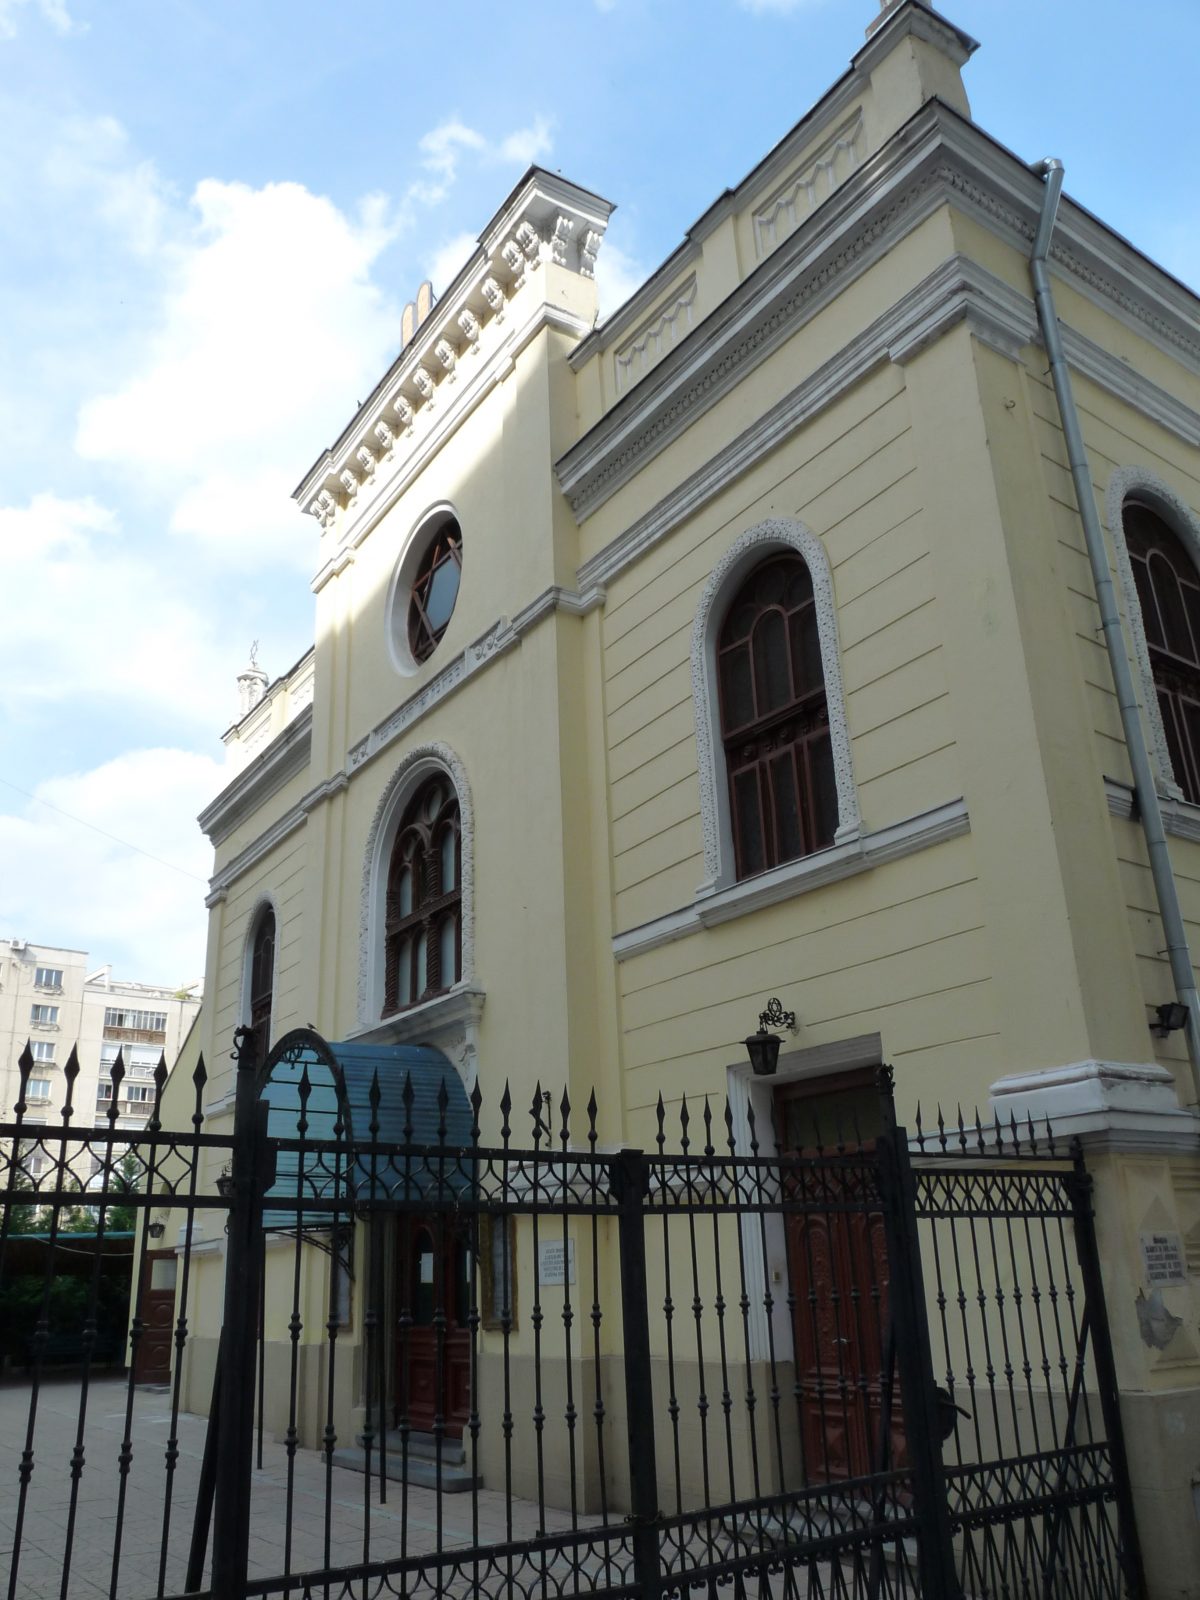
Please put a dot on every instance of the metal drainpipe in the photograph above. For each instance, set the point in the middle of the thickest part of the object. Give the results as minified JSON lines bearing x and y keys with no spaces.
{"x":1143,"y":778}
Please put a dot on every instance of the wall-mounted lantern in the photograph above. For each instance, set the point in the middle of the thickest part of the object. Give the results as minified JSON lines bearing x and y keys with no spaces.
{"x":763,"y":1047}
{"x":1171,"y":1017}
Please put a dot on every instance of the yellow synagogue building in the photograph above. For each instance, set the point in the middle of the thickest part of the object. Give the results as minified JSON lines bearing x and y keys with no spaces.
{"x":747,"y":644}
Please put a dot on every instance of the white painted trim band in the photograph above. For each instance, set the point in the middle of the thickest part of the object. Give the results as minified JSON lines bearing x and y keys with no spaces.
{"x":885,"y":844}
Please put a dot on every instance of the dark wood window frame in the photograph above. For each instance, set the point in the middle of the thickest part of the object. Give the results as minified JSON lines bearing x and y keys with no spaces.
{"x":431,"y":823}
{"x":262,"y":982}
{"x":1168,"y":589}
{"x":425,"y":632}
{"x":497,"y":1253}
{"x":775,"y":718}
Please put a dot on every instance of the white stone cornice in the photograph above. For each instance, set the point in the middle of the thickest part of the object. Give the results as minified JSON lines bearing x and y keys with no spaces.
{"x":1179,"y":817}
{"x":1106,"y":1105}
{"x":282,"y":828}
{"x":938,"y":159}
{"x":957,"y":291}
{"x":915,"y":21}
{"x":292,"y":819}
{"x":478,"y":377}
{"x":954,"y":291}
{"x":545,"y":218}
{"x":287,"y":755}
{"x":501,"y":637}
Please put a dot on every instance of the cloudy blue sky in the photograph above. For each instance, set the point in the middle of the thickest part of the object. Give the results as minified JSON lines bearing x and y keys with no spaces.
{"x":211,"y":215}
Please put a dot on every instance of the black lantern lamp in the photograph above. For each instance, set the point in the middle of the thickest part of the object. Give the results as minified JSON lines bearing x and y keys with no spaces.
{"x":763,"y":1047}
{"x":1170,"y":1018}
{"x":156,"y":1229}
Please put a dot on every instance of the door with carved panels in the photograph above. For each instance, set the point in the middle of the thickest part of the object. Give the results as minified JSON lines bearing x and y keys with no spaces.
{"x":838,"y":1266}
{"x":433,"y":1345}
{"x":152,"y":1363}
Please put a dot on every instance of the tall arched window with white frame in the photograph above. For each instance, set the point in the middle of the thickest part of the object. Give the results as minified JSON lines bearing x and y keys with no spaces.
{"x":1168,"y":591}
{"x":772,"y":743}
{"x":775,"y":718}
{"x":261,"y":985}
{"x":423,"y":914}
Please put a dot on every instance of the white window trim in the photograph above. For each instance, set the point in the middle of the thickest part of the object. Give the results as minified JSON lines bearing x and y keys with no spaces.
{"x":779,"y":533}
{"x":262,"y":905}
{"x":399,"y":594}
{"x":420,"y":764}
{"x":1142,"y":483}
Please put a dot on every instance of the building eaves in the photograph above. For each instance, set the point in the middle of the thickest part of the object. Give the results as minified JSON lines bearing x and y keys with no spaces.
{"x":911,"y":18}
{"x":938,"y":157}
{"x":275,"y":683}
{"x":537,"y":184}
{"x":287,"y":755}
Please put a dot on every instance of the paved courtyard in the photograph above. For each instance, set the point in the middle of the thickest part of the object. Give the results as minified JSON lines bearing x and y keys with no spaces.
{"x":43,"y":1544}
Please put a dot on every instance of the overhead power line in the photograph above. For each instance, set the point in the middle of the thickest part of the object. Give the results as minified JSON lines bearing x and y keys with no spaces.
{"x":103,"y":832}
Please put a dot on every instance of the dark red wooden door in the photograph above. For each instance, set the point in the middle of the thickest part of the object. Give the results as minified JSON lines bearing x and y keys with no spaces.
{"x":837,"y":1260}
{"x":152,"y":1364}
{"x":433,"y":1346}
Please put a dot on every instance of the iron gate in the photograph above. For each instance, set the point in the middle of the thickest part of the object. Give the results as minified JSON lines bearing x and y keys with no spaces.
{"x":874,"y":1367}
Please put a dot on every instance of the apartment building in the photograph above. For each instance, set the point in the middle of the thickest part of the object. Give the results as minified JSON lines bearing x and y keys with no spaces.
{"x":54,"y":1000}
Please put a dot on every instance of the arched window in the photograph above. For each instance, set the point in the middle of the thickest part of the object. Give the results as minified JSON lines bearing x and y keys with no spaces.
{"x":423,"y":916}
{"x":774,"y":718}
{"x":262,"y":983}
{"x":1168,"y":589}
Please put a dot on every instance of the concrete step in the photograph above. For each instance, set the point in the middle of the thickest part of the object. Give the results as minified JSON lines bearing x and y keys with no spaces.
{"x":423,"y":1446}
{"x":421,"y":1464}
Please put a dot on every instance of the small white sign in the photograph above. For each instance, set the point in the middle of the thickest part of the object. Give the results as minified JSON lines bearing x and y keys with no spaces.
{"x":1162,"y":1254}
{"x":556,"y":1264}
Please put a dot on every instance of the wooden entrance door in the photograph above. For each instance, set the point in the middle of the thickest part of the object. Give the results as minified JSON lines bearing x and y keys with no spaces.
{"x":433,"y":1347}
{"x":837,"y":1259}
{"x":152,"y":1364}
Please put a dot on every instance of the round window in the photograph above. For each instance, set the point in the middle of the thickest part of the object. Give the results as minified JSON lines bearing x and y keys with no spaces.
{"x":424,"y":591}
{"x":434,"y":590}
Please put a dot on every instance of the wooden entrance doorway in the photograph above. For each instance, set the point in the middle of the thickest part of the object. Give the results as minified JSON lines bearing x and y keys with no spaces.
{"x":152,"y":1363}
{"x":433,"y":1348}
{"x":837,"y":1261}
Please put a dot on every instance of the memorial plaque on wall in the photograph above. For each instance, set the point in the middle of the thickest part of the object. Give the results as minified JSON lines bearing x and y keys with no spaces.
{"x":1162,"y":1256}
{"x":556,"y":1265}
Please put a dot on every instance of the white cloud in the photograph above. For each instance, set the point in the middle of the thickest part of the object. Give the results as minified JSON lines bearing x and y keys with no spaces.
{"x":146,"y":917}
{"x":99,"y":623}
{"x":618,"y":274}
{"x":440,"y":149}
{"x":270,"y":327}
{"x":527,"y":145}
{"x":91,"y":165}
{"x":448,"y":260}
{"x":52,"y":11}
{"x":270,"y":330}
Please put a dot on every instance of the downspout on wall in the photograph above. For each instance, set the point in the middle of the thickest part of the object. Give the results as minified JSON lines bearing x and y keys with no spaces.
{"x":1145,"y":791}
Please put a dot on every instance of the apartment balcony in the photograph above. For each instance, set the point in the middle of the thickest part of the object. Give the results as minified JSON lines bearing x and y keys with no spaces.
{"x":136,"y":1035}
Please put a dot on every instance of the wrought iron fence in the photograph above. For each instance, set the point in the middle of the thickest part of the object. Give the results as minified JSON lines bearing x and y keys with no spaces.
{"x":442,"y":1347}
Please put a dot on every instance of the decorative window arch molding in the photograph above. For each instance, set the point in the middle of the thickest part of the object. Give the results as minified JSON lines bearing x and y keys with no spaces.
{"x":1141,"y":483}
{"x":747,"y":550}
{"x":418,"y":765}
{"x":264,"y":904}
{"x":412,"y":548}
